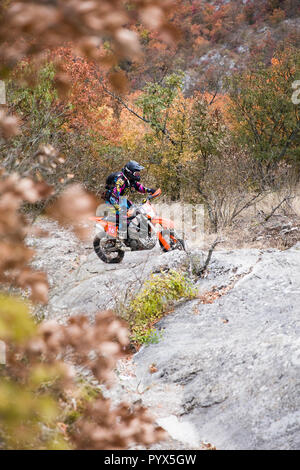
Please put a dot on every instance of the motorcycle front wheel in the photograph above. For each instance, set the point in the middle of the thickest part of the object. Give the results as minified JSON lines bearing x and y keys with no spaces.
{"x":172,"y":239}
{"x":101,"y":244}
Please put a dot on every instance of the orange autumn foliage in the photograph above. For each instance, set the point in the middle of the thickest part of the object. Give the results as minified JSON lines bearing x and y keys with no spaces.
{"x":91,"y":108}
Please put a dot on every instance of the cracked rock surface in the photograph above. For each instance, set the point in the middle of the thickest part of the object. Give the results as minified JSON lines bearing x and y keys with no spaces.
{"x":239,"y":379}
{"x":228,"y":372}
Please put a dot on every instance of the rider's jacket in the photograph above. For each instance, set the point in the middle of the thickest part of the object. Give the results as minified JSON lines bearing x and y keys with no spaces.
{"x":121,"y":186}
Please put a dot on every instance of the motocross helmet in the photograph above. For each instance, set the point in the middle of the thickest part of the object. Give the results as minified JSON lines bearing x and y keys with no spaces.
{"x":132,"y":171}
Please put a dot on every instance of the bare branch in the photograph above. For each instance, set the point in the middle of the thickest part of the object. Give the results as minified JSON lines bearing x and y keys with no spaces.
{"x":163,"y":130}
{"x":208,"y":259}
{"x":287,"y":198}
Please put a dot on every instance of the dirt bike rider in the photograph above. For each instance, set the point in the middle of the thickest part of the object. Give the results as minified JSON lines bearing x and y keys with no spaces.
{"x":120,"y":183}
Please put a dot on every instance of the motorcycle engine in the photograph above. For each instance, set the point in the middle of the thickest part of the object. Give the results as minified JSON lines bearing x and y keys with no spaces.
{"x":140,"y":239}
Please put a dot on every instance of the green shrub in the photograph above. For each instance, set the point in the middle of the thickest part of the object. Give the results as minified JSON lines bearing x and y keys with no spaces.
{"x":157,"y":296}
{"x":148,"y":336}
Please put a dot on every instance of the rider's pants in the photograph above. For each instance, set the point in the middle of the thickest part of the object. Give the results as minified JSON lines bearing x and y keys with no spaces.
{"x":122,"y":221}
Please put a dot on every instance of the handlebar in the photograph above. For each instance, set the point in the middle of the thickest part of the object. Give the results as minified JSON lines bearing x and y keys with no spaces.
{"x":134,"y":211}
{"x":156,"y":194}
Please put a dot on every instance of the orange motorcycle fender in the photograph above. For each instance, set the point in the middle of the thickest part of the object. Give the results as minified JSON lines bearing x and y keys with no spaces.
{"x":111,"y":229}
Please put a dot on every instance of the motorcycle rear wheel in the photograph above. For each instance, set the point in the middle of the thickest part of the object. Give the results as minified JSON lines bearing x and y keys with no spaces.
{"x":112,"y":257}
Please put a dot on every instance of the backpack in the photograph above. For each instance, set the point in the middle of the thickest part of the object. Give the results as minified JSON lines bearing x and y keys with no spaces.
{"x":111,"y":179}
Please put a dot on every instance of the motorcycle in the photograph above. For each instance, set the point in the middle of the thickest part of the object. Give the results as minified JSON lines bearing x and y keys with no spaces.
{"x":144,"y":229}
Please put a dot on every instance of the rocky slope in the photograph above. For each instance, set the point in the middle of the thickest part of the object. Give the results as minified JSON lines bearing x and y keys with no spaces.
{"x":81,"y":283}
{"x":228,"y":363}
{"x":237,"y":360}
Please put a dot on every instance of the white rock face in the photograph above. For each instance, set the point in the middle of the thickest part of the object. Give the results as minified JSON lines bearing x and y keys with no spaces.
{"x":182,"y":431}
{"x":240,"y":378}
{"x":228,"y":372}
